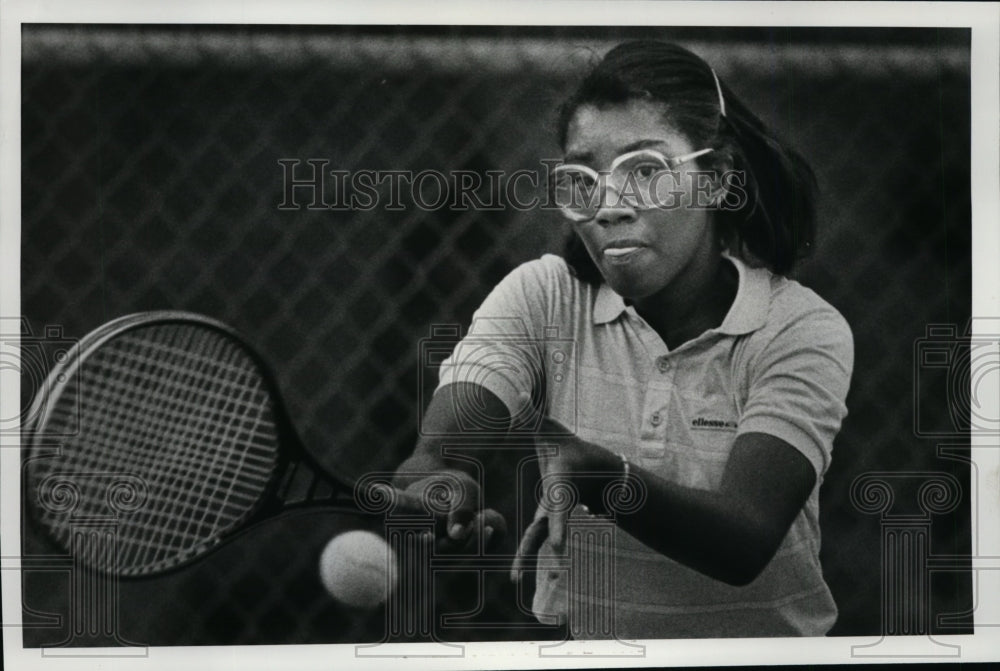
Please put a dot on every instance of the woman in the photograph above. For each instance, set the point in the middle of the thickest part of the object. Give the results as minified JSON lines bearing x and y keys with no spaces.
{"x":690,"y":372}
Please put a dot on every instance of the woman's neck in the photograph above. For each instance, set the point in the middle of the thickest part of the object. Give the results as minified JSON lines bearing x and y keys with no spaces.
{"x":697,"y":301}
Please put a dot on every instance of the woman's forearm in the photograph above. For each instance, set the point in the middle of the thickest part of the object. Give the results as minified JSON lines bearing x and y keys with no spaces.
{"x":729,"y":533}
{"x":698,"y":528}
{"x":445,"y":418}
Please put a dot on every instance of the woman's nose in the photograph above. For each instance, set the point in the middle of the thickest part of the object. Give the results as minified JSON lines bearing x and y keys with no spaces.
{"x":614,"y":210}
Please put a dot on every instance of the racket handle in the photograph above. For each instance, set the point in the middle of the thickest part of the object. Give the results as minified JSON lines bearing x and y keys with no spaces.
{"x":406,"y":506}
{"x":408,"y":503}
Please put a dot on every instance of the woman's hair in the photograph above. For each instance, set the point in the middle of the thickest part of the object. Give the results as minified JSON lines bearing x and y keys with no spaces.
{"x":776,"y":224}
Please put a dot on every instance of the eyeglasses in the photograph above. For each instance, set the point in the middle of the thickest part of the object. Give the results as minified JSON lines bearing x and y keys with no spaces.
{"x":580,"y":191}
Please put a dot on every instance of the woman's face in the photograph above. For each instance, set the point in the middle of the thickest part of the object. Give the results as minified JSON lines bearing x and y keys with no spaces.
{"x":641,"y":252}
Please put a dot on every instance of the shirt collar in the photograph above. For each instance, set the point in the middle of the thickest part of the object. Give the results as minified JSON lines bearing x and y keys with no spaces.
{"x":608,"y":305}
{"x":753,"y":297}
{"x":747,"y":313}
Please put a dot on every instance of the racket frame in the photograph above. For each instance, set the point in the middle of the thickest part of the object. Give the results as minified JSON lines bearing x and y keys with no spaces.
{"x":340,"y":495}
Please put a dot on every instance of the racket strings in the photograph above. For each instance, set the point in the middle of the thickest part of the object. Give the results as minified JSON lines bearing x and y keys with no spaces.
{"x":166,"y":517}
{"x":160,"y":522}
{"x":170,"y":421}
{"x":185,"y":410}
{"x":213,"y":407}
{"x":240,"y":416}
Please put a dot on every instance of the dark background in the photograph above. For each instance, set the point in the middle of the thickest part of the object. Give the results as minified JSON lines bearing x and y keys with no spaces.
{"x":150,"y":180}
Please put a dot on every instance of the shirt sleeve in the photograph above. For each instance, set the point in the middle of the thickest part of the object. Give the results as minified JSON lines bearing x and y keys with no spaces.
{"x":799,"y":382}
{"x":501,"y":351}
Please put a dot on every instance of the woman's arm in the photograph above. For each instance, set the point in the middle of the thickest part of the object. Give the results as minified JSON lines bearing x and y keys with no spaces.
{"x":446,"y":416}
{"x":729,"y":534}
{"x":428,"y":467}
{"x":494,"y":366}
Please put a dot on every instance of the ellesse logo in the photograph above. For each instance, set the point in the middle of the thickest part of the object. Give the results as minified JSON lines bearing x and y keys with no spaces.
{"x":708,"y":424}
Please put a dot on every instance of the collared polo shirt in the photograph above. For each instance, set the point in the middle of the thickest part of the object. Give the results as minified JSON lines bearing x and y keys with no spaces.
{"x":780,"y":363}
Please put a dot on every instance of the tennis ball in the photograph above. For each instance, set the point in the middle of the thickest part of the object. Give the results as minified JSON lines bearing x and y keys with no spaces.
{"x":358,"y":568}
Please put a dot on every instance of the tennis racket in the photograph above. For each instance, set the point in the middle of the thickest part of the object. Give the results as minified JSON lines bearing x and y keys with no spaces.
{"x":172,"y":425}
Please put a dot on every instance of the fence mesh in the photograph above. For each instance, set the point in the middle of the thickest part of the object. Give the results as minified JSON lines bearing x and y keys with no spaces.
{"x":151,"y":180}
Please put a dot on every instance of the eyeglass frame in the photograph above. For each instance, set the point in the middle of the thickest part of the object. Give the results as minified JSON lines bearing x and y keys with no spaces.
{"x":672,"y":163}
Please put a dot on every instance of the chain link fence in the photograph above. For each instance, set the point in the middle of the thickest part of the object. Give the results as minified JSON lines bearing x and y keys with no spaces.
{"x":152,"y":178}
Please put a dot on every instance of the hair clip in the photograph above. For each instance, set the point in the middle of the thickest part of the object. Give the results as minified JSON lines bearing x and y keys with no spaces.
{"x":718,"y":87}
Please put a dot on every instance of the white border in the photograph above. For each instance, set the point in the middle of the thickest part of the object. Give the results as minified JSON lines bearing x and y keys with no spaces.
{"x":983,"y":18}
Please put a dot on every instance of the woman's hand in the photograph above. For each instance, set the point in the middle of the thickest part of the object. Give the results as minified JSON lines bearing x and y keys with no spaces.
{"x":467,"y":527}
{"x":578,"y":473}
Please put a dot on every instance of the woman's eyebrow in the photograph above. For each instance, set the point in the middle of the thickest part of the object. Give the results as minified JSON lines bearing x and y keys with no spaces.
{"x":642,"y":144}
{"x":586,"y":156}
{"x":578,"y":157}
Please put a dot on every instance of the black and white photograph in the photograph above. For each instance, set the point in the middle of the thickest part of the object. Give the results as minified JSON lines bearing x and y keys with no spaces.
{"x":504,"y":337}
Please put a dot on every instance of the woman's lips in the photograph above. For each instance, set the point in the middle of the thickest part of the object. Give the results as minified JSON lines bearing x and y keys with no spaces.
{"x":621,"y":252}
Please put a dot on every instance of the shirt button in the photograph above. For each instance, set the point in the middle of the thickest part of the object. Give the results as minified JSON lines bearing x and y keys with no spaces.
{"x":663,"y":363}
{"x":656,"y":419}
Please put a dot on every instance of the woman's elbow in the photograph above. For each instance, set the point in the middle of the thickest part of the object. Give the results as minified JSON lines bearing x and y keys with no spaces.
{"x":741,"y":576}
{"x":749,"y":557}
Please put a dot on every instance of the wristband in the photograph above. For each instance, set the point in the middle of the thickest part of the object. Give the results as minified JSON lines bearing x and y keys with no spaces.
{"x":626,"y":470}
